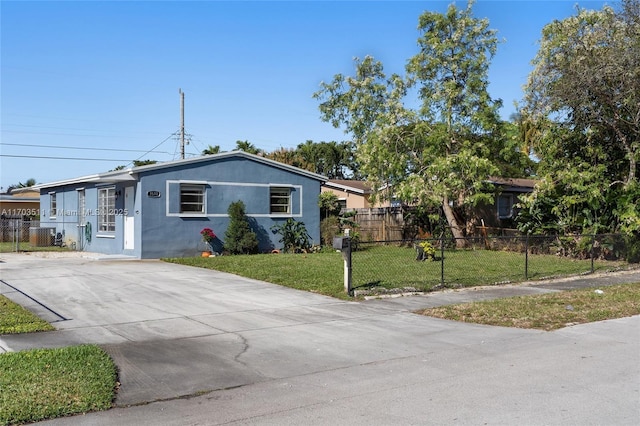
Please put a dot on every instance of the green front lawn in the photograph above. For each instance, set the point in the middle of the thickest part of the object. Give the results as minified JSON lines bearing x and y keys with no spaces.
{"x":47,"y":383}
{"x":394,"y":267}
{"x":317,"y":272}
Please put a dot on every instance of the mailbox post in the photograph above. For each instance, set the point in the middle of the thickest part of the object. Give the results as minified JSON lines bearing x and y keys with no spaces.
{"x":344,"y":245}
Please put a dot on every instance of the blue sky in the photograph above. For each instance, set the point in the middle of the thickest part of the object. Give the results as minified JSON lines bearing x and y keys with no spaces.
{"x":104,"y":76}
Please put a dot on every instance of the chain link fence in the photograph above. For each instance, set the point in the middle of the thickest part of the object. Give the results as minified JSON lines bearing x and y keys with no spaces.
{"x":26,"y":234}
{"x":424,"y":265}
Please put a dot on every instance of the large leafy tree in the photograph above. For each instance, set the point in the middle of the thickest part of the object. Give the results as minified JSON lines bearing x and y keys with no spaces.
{"x":442,"y":153}
{"x":583,"y":100}
{"x":332,"y":159}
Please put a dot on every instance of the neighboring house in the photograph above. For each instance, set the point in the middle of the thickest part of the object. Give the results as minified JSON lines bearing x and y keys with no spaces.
{"x":383,"y":221}
{"x":20,"y":202}
{"x":352,"y":194}
{"x":504,"y":210}
{"x":159,"y":210}
{"x":18,"y":209}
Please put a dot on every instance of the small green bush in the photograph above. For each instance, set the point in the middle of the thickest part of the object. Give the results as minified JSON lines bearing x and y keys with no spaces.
{"x":239,"y":238}
{"x":329,"y":228}
{"x":293,"y":236}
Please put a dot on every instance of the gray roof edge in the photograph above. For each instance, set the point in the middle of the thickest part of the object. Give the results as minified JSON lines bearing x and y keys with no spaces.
{"x":12,"y":199}
{"x":347,"y":188}
{"x":229,"y":154}
{"x":127,"y":173}
{"x":119,"y":175}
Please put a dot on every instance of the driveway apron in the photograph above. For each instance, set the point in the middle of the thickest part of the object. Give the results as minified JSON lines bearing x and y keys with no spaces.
{"x":177,"y":331}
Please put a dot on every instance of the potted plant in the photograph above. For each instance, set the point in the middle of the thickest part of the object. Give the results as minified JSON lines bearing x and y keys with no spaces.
{"x":425,"y":250}
{"x":207,"y":237}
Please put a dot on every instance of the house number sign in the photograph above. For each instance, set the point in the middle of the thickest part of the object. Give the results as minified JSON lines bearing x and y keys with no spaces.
{"x":153,"y":194}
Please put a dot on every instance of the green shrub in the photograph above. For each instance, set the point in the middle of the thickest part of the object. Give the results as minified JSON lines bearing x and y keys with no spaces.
{"x":239,"y":238}
{"x":329,"y":228}
{"x":293,"y":236}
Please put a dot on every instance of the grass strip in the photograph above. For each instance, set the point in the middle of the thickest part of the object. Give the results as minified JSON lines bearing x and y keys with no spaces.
{"x":549,"y":311}
{"x":9,"y":247}
{"x":16,"y":319}
{"x":46,"y":383}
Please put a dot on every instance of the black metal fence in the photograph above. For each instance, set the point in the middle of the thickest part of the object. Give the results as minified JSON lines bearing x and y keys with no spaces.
{"x":424,"y":265}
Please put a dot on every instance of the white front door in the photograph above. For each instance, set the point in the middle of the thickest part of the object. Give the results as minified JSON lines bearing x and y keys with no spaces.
{"x":129,"y":218}
{"x":81,"y":217}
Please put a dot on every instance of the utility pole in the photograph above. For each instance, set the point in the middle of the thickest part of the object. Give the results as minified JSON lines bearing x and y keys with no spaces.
{"x":181,"y":123}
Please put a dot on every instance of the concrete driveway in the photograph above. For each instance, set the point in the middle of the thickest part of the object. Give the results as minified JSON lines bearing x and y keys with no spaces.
{"x":202,"y":347}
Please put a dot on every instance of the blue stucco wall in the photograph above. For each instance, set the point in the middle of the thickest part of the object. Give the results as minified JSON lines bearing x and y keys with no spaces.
{"x":160,"y":230}
{"x":166,"y":233}
{"x":81,"y":233}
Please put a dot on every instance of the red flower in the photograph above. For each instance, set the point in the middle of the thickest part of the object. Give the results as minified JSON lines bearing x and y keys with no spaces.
{"x":207,"y":235}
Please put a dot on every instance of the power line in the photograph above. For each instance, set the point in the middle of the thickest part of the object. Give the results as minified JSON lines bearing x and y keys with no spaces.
{"x":152,"y":149}
{"x":61,"y":158}
{"x":43,"y":157}
{"x":68,"y":134}
{"x":62,"y":128}
{"x":83,"y":148}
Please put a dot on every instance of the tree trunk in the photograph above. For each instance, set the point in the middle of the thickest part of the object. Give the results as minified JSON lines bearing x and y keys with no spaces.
{"x":453,"y":223}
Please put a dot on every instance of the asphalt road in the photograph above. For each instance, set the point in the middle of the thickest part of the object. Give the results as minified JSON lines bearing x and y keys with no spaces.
{"x":202,"y":347}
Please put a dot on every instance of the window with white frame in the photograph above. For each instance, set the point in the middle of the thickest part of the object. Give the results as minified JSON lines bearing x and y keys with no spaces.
{"x":107,"y":210}
{"x":53,"y":211}
{"x":505,"y":206}
{"x":191,"y":199}
{"x":280,"y":200}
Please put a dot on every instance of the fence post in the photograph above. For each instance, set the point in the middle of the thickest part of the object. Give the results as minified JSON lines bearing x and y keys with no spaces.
{"x":593,"y":240}
{"x":442,"y":260}
{"x":526,"y":257}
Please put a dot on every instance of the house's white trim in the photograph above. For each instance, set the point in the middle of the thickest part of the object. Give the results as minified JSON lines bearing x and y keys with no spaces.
{"x":345,"y":188}
{"x":298,"y":189}
{"x":179,"y":182}
{"x":166,"y":198}
{"x":190,"y":182}
{"x":53,"y":213}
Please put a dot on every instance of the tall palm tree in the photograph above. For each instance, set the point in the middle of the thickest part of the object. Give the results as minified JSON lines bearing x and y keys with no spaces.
{"x":211,"y":150}
{"x":247,"y":146}
{"x":30,"y":182}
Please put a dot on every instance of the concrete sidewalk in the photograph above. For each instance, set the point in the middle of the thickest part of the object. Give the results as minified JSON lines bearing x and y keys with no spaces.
{"x":263,"y":354}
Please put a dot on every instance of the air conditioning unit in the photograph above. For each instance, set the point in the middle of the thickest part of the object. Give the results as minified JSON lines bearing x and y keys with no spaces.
{"x":42,"y":237}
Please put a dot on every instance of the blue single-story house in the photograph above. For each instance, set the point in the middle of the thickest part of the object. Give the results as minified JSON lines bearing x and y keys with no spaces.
{"x":159,"y":210}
